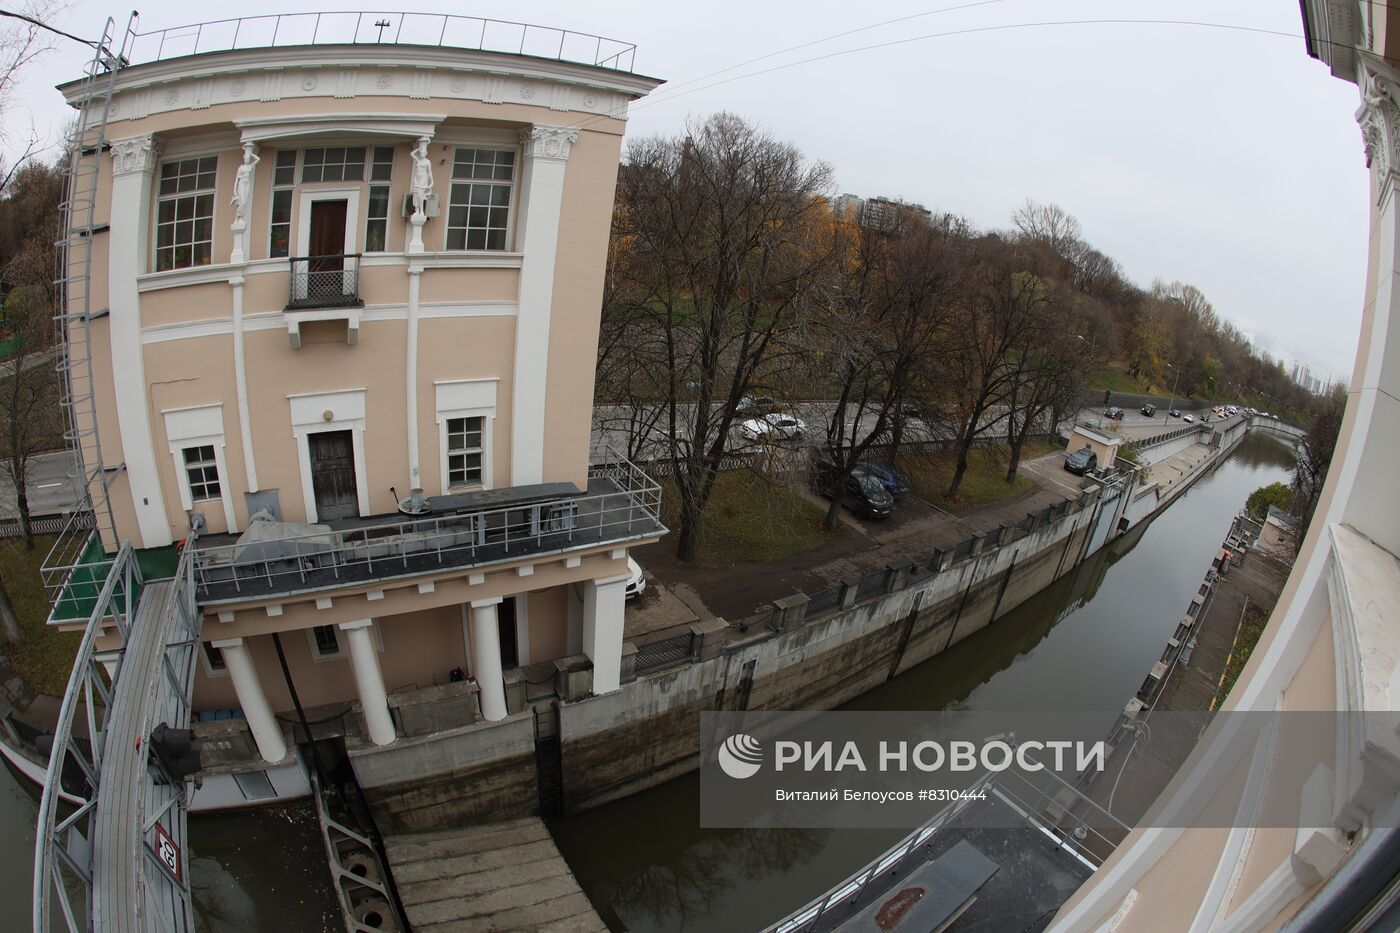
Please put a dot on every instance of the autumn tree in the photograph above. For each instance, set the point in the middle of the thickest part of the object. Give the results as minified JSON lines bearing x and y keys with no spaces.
{"x":723,"y":226}
{"x":1315,"y":451}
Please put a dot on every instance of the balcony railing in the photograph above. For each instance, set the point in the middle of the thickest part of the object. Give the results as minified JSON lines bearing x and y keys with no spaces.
{"x":324,"y":282}
{"x":355,"y":28}
{"x":620,"y":504}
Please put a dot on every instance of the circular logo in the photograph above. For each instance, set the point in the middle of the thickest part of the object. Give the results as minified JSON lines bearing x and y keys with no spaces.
{"x":740,"y":756}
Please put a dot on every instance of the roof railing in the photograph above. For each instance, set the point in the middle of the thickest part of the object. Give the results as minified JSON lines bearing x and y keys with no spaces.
{"x":444,"y":30}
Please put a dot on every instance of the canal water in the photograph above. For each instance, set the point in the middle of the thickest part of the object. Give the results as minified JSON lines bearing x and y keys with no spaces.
{"x":1085,"y":643}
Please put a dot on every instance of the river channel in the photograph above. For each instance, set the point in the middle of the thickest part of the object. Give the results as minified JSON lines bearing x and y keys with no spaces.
{"x":1083,"y":644}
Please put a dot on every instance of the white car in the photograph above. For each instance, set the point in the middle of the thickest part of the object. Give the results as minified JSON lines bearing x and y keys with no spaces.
{"x":1188,"y":418}
{"x":636,"y":580}
{"x":777,"y":426}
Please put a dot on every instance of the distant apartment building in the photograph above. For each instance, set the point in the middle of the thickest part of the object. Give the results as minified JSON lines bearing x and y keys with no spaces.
{"x":883,"y":214}
{"x":345,"y":307}
{"x":1305,"y":377}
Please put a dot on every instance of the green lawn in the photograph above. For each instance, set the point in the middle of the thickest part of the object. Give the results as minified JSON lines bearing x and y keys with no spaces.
{"x":751,"y":518}
{"x":45,"y":658}
{"x":1118,"y":381}
{"x":984,"y":482}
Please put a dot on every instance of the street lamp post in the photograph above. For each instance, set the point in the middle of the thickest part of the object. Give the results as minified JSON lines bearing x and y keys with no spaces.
{"x":1176,"y":373}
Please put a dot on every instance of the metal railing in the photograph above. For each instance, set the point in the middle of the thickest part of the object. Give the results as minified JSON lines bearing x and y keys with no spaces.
{"x":404,"y":547}
{"x":61,"y":855}
{"x":324,"y":282}
{"x":378,"y":28}
{"x":69,"y":597}
{"x":664,"y":652}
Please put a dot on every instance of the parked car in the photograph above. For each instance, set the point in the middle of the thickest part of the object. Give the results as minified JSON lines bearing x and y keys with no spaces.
{"x":1188,"y":419}
{"x":865,"y":495}
{"x":1113,"y":412}
{"x":1175,"y":412}
{"x":756,"y":406}
{"x":1205,"y":417}
{"x":775,"y":426}
{"x":895,"y":480}
{"x":1149,"y":410}
{"x":1082,"y":461}
{"x":636,"y":580}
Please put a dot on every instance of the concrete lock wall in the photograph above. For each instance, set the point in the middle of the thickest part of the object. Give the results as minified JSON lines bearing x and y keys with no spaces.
{"x":647,"y":732}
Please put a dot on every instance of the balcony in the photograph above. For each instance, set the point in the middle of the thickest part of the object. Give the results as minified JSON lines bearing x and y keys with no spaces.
{"x":621,"y":505}
{"x":324,"y":288}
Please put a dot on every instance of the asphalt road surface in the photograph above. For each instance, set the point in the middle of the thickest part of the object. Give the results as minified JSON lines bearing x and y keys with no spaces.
{"x":53,"y":485}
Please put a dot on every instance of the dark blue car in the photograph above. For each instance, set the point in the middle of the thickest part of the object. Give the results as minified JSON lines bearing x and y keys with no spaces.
{"x":895,"y":480}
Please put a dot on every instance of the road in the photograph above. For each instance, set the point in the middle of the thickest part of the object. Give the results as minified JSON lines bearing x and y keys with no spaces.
{"x":53,"y":485}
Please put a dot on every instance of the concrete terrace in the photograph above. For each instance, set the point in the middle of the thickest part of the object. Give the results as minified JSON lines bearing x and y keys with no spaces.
{"x":504,"y":876}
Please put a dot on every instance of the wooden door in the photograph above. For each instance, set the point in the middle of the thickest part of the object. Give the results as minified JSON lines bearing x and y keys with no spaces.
{"x":327,"y":240}
{"x":333,"y":475}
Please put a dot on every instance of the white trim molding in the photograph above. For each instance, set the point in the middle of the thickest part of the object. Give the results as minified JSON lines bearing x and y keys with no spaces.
{"x":201,"y":426}
{"x":406,"y":125}
{"x":346,"y":410}
{"x":309,"y":195}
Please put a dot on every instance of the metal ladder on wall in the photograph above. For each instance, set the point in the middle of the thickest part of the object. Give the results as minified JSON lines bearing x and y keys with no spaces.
{"x":75,"y":313}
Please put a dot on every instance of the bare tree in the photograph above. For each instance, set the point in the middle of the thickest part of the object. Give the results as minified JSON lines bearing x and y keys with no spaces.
{"x":882,"y":319}
{"x":723,"y":247}
{"x":1051,"y":225}
{"x":1315,"y":452}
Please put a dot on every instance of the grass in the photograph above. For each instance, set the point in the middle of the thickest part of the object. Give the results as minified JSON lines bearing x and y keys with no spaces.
{"x":1251,"y":629}
{"x":984,"y":481}
{"x":751,"y":518}
{"x":1118,"y":381}
{"x":45,"y":658}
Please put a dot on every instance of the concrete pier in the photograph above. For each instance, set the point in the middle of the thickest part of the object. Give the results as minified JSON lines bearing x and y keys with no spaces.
{"x":503,"y":876}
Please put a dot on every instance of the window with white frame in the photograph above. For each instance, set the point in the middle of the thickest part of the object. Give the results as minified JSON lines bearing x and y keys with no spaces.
{"x":478,"y":212}
{"x":377,"y":213}
{"x":185,"y":213}
{"x":333,"y":163}
{"x":202,"y":472}
{"x":284,"y":177}
{"x":466,"y":448}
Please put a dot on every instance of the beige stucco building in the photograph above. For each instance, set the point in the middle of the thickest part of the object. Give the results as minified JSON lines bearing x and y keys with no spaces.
{"x":343,"y":314}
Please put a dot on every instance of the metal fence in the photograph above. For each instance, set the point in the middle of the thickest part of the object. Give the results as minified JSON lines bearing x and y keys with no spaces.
{"x":664,"y":652}
{"x":46,"y":524}
{"x":379,"y":28}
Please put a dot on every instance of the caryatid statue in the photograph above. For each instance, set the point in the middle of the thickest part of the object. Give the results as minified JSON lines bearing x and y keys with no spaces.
{"x":422,"y":181}
{"x":243,"y":184}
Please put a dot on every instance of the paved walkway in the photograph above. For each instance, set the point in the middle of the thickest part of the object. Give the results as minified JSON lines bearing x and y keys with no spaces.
{"x":505,"y":876}
{"x":1192,"y":688}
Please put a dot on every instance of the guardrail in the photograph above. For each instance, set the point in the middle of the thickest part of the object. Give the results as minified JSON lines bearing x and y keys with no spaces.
{"x":324,"y":282}
{"x":62,"y":857}
{"x":326,"y":558}
{"x":379,"y":28}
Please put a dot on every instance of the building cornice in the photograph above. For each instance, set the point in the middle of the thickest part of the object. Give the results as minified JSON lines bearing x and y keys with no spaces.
{"x":348,"y":71}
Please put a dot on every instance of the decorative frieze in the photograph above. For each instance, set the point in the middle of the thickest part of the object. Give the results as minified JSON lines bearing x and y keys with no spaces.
{"x":548,"y":142}
{"x":138,"y":154}
{"x":1379,"y":118}
{"x":345,"y":80}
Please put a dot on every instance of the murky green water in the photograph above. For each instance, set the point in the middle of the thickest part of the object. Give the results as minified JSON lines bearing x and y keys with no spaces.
{"x":1084,"y":644}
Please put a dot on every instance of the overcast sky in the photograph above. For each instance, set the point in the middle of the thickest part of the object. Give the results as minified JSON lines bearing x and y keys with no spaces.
{"x":1223,"y":158}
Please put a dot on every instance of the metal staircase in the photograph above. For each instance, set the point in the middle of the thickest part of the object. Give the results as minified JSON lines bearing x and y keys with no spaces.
{"x":75,"y":312}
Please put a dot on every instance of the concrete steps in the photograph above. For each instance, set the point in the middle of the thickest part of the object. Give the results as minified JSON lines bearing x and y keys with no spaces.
{"x":505,"y":876}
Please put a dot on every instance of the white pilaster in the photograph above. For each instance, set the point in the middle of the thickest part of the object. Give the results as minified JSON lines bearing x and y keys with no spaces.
{"x":133,"y":163}
{"x":369,"y":680}
{"x":603,"y":605}
{"x":261,"y":722}
{"x":486,"y":658}
{"x":415,"y":279}
{"x":545,"y":153}
{"x":240,"y":385}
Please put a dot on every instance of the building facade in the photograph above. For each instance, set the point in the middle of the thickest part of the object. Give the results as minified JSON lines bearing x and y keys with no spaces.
{"x":346,"y":299}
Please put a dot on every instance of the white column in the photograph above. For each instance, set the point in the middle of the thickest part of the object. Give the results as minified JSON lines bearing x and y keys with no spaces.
{"x":603,"y":604}
{"x":545,"y":152}
{"x":256,"y":710}
{"x":133,"y":163}
{"x":369,"y":680}
{"x":486,"y":658}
